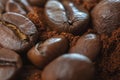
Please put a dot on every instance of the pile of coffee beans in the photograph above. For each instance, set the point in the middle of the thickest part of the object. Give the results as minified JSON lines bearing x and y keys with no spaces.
{"x":54,"y":39}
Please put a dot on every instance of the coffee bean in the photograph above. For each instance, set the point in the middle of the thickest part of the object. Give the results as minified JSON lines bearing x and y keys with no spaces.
{"x":17,"y":32}
{"x":88,"y":45}
{"x":3,"y":2}
{"x":10,"y":63}
{"x":65,"y":16}
{"x":1,"y":8}
{"x":12,"y":6}
{"x":43,"y":53}
{"x":18,"y":6}
{"x":69,"y":67}
{"x":105,"y":16}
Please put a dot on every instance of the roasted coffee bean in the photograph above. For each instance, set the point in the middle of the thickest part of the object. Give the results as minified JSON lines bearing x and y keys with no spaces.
{"x":37,"y":2}
{"x":65,"y":16}
{"x":1,"y":8}
{"x":17,"y":32}
{"x":12,"y":6}
{"x":10,"y":63}
{"x":88,"y":45}
{"x":3,"y":2}
{"x":43,"y":53}
{"x":69,"y":67}
{"x":106,"y":16}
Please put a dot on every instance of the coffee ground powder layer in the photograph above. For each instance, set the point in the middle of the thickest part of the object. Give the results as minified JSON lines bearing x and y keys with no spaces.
{"x":108,"y":64}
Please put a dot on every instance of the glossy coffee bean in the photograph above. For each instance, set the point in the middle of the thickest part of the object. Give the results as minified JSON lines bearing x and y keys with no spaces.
{"x":12,"y":6}
{"x":69,"y":67}
{"x":10,"y":63}
{"x":17,"y":32}
{"x":89,"y":45}
{"x":65,"y":16}
{"x":43,"y":53}
{"x":105,"y":16}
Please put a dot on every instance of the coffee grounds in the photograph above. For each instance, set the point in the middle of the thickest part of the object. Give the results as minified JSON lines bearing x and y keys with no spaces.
{"x":71,"y":38}
{"x":87,"y":4}
{"x":49,"y":34}
{"x":108,"y":64}
{"x":36,"y":16}
{"x":29,"y":73}
{"x":34,"y":76}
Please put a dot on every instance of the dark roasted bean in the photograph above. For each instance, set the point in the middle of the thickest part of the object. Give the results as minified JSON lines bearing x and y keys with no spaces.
{"x":106,"y":16}
{"x":12,"y":6}
{"x":10,"y":63}
{"x":88,"y":45}
{"x":17,"y":32}
{"x":43,"y":53}
{"x":69,"y":67}
{"x":65,"y":16}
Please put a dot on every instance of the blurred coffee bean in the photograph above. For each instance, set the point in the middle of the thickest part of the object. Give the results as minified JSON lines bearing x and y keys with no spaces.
{"x":43,"y":53}
{"x":17,"y":32}
{"x":106,"y":16}
{"x":65,"y":16}
{"x":3,"y":2}
{"x":88,"y":45}
{"x":1,"y":8}
{"x":12,"y":6}
{"x":10,"y":63}
{"x":69,"y":67}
